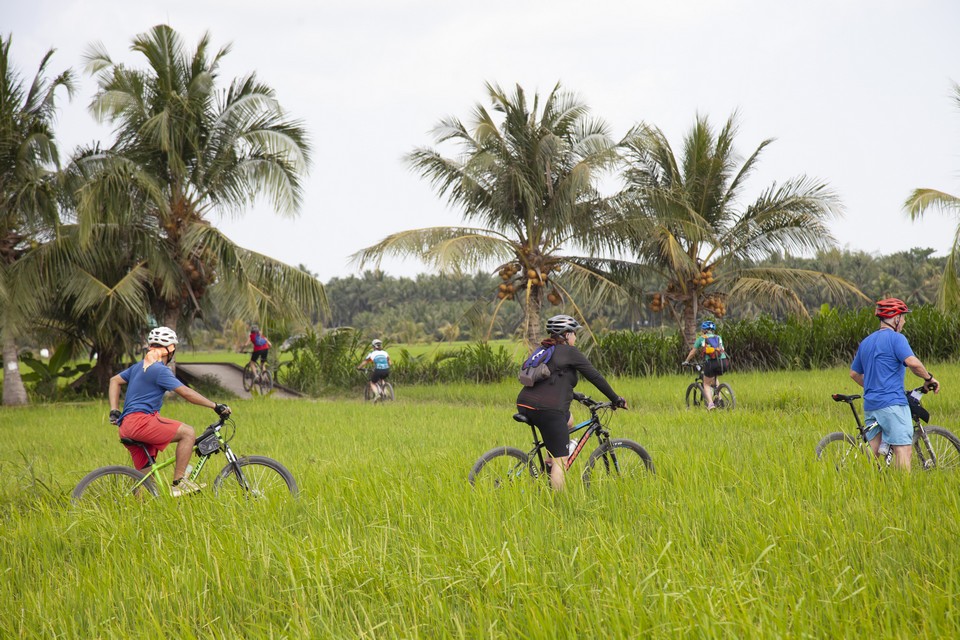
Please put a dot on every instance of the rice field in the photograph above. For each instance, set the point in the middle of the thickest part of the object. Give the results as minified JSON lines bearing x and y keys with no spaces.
{"x":740,"y":533}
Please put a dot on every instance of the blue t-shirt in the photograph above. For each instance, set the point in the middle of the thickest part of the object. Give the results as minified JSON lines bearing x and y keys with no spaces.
{"x":880,"y":359}
{"x":145,"y":389}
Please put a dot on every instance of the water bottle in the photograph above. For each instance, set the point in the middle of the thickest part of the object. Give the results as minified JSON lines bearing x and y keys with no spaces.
{"x":883,"y":449}
{"x":186,"y":472}
{"x":572,"y":446}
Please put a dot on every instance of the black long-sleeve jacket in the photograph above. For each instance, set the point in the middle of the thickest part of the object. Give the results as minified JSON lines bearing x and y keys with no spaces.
{"x":556,"y":392}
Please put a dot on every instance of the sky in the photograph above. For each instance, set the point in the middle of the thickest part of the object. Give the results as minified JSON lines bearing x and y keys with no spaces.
{"x":857,"y":93}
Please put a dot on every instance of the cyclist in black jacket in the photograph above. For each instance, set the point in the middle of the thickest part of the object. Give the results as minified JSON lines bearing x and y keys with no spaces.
{"x":547,"y":403}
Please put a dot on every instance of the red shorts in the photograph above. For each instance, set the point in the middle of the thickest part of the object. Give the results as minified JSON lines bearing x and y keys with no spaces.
{"x":157,"y":432}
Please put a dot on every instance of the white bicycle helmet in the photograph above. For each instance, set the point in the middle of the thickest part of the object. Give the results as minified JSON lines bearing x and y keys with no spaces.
{"x":162,"y":336}
{"x":559,"y":325}
{"x":377,"y":344}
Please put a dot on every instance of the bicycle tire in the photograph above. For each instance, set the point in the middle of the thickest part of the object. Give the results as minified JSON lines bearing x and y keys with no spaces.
{"x":248,"y":377}
{"x":113,"y":483}
{"x":841,"y":454}
{"x":368,"y":393}
{"x":265,"y":382}
{"x":388,"y":391}
{"x":490,"y":472}
{"x":260,"y":474}
{"x":617,"y":461}
{"x":723,"y":397}
{"x":694,"y":395}
{"x":940,"y":451}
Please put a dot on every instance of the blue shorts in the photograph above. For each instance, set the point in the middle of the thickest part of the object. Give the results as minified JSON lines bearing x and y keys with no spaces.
{"x":895,"y":422}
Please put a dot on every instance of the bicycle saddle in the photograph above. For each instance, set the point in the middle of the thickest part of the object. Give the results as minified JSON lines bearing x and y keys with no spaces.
{"x":136,"y":443}
{"x":519,"y":417}
{"x":839,"y":397}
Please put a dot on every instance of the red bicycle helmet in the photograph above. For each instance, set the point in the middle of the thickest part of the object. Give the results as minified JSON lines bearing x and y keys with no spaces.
{"x":890,"y":307}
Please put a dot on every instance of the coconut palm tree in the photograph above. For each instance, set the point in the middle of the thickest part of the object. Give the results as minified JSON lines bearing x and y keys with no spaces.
{"x":526,"y":175}
{"x":916,"y":205}
{"x":28,"y":198}
{"x":182,"y":152}
{"x":682,"y":221}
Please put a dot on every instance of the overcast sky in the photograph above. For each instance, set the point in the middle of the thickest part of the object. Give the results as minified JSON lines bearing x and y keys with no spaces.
{"x":857,"y":93}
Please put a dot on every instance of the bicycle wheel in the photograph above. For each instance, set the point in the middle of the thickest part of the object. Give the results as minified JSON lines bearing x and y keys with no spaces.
{"x":695,"y":395}
{"x":248,"y":376}
{"x":258,"y":477}
{"x":617,"y":459}
{"x":723,"y":397}
{"x":939,"y":450}
{"x":112,"y":484}
{"x":265,"y":382}
{"x":500,"y":467}
{"x":368,"y":393}
{"x":841,"y":449}
{"x":388,"y":391}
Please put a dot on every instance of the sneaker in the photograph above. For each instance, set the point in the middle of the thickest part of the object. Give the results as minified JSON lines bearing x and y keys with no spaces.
{"x":711,"y":406}
{"x":185,"y":486}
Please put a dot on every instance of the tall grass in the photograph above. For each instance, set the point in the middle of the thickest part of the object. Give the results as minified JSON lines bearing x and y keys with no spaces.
{"x":740,"y":534}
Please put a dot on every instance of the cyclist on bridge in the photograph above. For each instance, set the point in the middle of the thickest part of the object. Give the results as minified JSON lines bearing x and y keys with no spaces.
{"x":380,"y":360}
{"x":715,"y":361}
{"x":261,"y":346}
{"x":878,"y":368}
{"x":546,"y":404}
{"x":140,"y":419}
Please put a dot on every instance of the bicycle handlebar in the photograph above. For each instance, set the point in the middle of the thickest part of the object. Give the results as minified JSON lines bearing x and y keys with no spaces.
{"x":592,"y":404}
{"x":839,"y":397}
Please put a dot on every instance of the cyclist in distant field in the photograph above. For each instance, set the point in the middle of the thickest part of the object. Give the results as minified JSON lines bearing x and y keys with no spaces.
{"x":547,"y":403}
{"x":715,"y":362}
{"x":380,"y":360}
{"x":140,"y":419}
{"x":878,"y":368}
{"x":261,"y":346}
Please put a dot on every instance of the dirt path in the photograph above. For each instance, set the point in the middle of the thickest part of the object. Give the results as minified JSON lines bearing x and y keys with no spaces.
{"x":230,"y":377}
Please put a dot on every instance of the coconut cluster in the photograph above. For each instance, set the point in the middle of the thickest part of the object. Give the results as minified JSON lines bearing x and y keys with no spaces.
{"x":657,"y":303}
{"x":704,"y":278}
{"x":517,"y":279}
{"x":716,"y":305}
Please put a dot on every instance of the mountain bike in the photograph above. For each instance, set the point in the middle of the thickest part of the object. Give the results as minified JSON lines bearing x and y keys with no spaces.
{"x":723,"y":397}
{"x":247,"y":476}
{"x":381,"y":392}
{"x":613,"y":458}
{"x":257,"y":374}
{"x":935,"y":447}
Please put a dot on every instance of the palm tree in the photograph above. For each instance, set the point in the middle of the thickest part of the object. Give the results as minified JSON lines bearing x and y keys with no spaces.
{"x":683,"y":223}
{"x":183,"y":151}
{"x":28,"y":198}
{"x":526,"y":173}
{"x":916,"y":205}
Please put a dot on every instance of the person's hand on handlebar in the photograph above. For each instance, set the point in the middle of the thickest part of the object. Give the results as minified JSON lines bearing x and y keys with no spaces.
{"x":931,"y":384}
{"x":620,"y":403}
{"x":222,"y":410}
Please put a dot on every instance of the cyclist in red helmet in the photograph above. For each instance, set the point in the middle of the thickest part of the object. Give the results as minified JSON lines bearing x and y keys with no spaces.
{"x":878,"y":368}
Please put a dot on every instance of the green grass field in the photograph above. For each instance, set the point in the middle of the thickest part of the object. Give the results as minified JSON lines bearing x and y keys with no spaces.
{"x":741,"y":533}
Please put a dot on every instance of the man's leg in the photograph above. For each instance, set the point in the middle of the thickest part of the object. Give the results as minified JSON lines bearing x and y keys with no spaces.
{"x":902,"y":454}
{"x":558,"y":473}
{"x":875,"y":444}
{"x":185,"y":438}
{"x":708,"y":389}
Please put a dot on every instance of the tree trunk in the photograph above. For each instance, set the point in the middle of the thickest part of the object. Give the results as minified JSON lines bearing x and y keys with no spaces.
{"x":689,"y":317}
{"x":532,"y":332}
{"x":14,"y":393}
{"x":170,"y":321}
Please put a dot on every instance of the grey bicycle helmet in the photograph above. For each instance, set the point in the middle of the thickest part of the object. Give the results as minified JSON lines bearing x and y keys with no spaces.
{"x":559,"y":325}
{"x":162,"y":336}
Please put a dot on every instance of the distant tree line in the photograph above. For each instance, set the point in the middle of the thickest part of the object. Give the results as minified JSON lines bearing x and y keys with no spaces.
{"x":456,"y":307}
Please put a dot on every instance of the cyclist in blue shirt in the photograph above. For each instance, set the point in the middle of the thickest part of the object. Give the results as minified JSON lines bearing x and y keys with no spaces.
{"x":878,"y":368}
{"x":380,"y":360}
{"x":147,"y":382}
